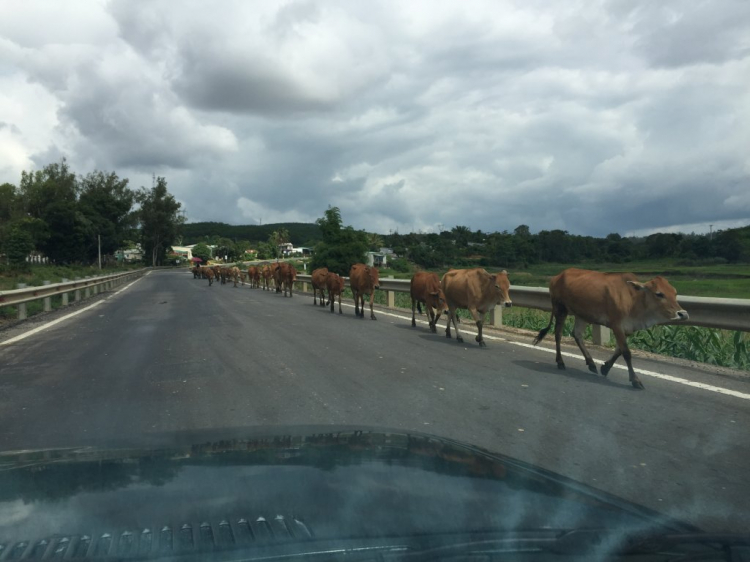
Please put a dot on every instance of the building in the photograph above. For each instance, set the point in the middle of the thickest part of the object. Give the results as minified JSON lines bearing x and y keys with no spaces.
{"x":377,"y":259}
{"x":184,"y":251}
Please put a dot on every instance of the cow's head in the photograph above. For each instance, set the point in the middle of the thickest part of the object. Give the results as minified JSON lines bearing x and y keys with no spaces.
{"x":502,"y":288}
{"x":660,"y":299}
{"x":374,"y":275}
{"x":437,"y":301}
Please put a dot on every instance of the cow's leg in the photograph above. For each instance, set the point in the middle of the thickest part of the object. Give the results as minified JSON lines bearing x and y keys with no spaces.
{"x":356,"y":302}
{"x":560,"y":315}
{"x":413,"y":313}
{"x":611,"y":361}
{"x":454,"y":316}
{"x":431,"y":318}
{"x":339,"y":304}
{"x":578,"y":330}
{"x":372,"y":299}
{"x":622,"y":343}
{"x":448,"y":324}
{"x":479,"y":320}
{"x":330,"y":301}
{"x":315,"y":294}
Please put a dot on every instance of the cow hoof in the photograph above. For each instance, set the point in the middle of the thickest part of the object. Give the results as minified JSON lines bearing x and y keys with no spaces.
{"x":605,"y":369}
{"x":372,"y":317}
{"x":561,"y":366}
{"x":482,"y":344}
{"x":638,"y":385}
{"x":447,"y":335}
{"x":592,"y":368}
{"x":413,"y":324}
{"x":459,"y":340}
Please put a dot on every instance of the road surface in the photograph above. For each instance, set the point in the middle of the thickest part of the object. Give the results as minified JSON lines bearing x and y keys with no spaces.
{"x":169,"y":356}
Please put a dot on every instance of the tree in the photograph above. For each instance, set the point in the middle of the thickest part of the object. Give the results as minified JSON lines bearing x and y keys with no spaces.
{"x":106,"y":202}
{"x":341,"y":247}
{"x":202,"y":251}
{"x":374,"y":241}
{"x":17,"y":246}
{"x":51,"y":195}
{"x":159,"y":220}
{"x":276,"y":239}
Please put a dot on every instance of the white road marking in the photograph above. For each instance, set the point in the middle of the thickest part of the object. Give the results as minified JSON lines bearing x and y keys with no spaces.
{"x":67,"y":316}
{"x":644,"y":372}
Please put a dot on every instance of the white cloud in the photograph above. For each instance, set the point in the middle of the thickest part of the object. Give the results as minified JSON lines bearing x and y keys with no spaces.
{"x":616,"y":117}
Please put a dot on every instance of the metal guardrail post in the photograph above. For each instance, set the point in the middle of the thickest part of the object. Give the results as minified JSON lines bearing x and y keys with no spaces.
{"x":391,"y":296}
{"x":87,"y":291}
{"x":64,"y":295}
{"x":496,"y":316}
{"x":77,"y":295}
{"x":22,"y":306}
{"x":47,"y":300}
{"x":304,"y":286}
{"x":600,"y":334}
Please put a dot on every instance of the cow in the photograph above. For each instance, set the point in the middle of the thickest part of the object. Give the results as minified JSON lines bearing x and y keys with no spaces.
{"x":363,"y":280}
{"x":425,"y":288}
{"x":253,"y":274}
{"x":276,"y":274}
{"x":209,"y":275}
{"x":267,"y":276}
{"x":477,"y":291}
{"x":287,"y":277}
{"x":318,"y":279}
{"x":235,"y":274}
{"x":335,"y":286}
{"x":616,"y":300}
{"x":196,"y":272}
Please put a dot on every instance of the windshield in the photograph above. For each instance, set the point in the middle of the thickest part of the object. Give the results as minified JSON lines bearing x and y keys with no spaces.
{"x":522,"y":227}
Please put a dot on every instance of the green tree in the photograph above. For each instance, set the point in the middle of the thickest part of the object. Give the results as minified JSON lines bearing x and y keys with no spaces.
{"x":341,"y":247}
{"x":17,"y":246}
{"x":202,"y":251}
{"x":51,"y":195}
{"x":276,"y":239}
{"x":107,"y":204}
{"x":160,"y":220}
{"x":374,"y":241}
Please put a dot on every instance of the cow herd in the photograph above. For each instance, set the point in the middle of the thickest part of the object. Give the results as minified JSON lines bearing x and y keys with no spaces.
{"x":616,"y":300}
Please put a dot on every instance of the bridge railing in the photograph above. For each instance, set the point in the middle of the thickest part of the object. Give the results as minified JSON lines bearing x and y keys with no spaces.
{"x":79,"y":287}
{"x":708,"y":312}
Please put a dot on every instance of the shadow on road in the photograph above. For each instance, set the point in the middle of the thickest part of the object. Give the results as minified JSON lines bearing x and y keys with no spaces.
{"x":575,"y":374}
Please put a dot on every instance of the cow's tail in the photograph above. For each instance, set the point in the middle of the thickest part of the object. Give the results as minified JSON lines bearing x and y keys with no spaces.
{"x":543,"y":332}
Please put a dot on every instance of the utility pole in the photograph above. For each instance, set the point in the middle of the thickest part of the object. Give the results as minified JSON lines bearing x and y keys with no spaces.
{"x":99,"y":236}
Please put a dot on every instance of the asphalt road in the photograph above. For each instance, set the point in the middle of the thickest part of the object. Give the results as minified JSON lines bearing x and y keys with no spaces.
{"x":170,"y":356}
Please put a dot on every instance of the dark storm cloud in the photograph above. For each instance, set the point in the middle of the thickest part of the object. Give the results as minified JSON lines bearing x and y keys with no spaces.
{"x":621,"y":116}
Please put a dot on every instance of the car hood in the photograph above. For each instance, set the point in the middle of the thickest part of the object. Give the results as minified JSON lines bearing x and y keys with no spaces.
{"x":292,"y":484}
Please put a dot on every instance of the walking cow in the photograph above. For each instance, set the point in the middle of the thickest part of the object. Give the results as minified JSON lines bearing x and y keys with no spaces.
{"x":425,"y":288}
{"x":363,"y":280}
{"x":318,"y":280}
{"x":477,"y":291}
{"x":616,"y":300}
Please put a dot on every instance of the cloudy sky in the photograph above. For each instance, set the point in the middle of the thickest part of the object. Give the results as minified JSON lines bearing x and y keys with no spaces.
{"x":593,"y":117}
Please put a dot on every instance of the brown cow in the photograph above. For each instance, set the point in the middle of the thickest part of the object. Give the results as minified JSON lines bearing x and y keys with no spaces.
{"x":318,"y":279}
{"x":616,"y":300}
{"x":425,"y":288}
{"x":276,"y":273}
{"x":196,"y":272}
{"x":209,"y":275}
{"x":267,"y":276}
{"x":287,"y":277}
{"x":235,"y":274}
{"x":477,"y":291}
{"x":335,"y":286}
{"x":363,"y":280}
{"x":253,"y":275}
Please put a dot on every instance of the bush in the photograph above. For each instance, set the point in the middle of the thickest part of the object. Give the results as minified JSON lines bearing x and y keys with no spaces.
{"x":18,"y":245}
{"x":400,"y":265}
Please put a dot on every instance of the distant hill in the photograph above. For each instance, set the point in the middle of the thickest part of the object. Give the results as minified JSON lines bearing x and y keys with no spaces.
{"x":300,"y":232}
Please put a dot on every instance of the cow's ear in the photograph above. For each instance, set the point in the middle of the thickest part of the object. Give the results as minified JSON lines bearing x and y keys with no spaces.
{"x":637,"y":286}
{"x":504,"y":271}
{"x":434,"y":294}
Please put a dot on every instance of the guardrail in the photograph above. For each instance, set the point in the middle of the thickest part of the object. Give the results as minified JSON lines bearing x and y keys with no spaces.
{"x":86,"y":287}
{"x":726,"y":314}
